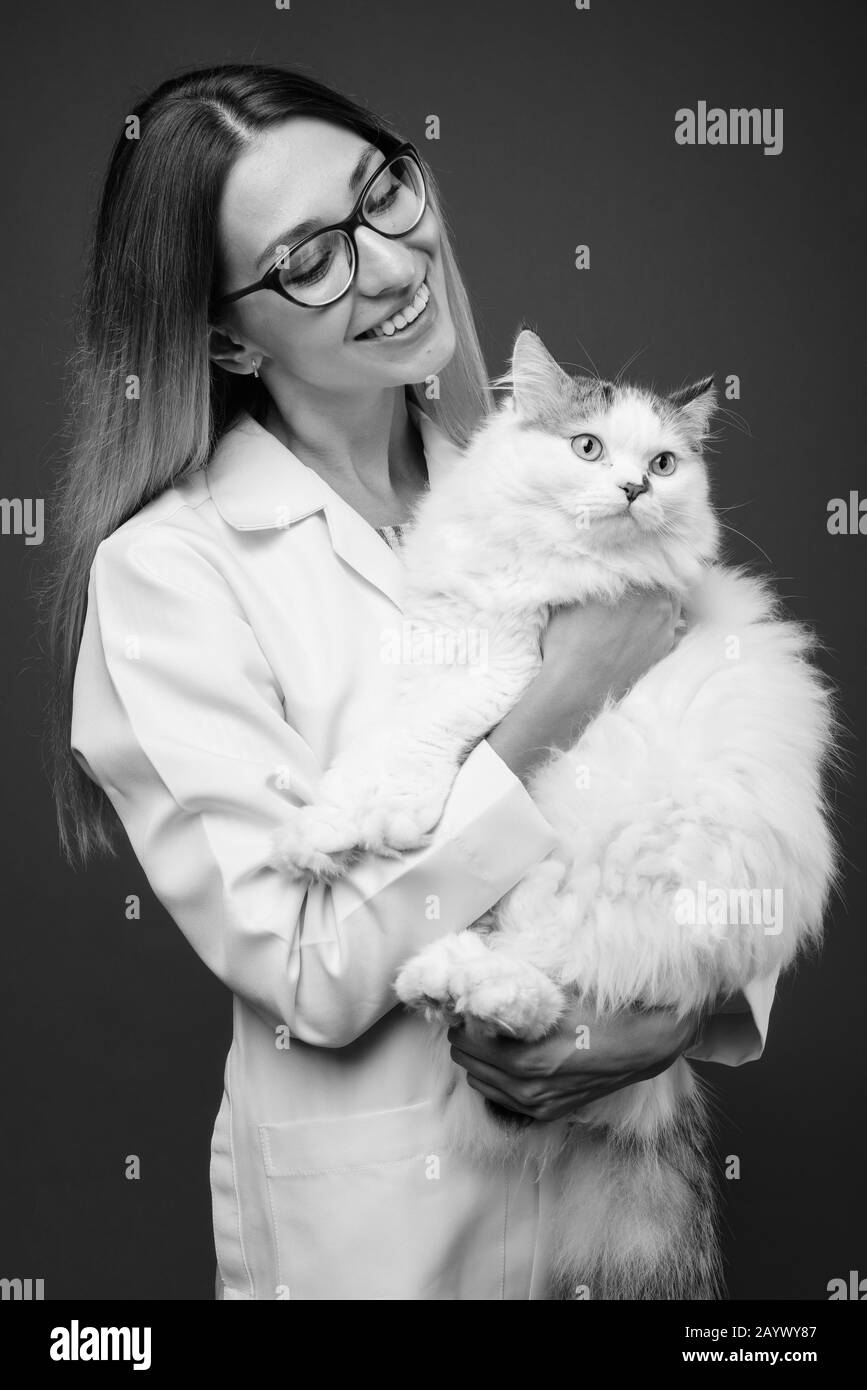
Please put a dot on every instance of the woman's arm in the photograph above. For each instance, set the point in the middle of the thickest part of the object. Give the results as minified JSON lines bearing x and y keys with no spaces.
{"x":589,"y":652}
{"x":177,"y":714}
{"x":552,"y":1078}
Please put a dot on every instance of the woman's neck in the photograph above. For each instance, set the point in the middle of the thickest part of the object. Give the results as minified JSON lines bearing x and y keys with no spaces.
{"x":374,"y":459}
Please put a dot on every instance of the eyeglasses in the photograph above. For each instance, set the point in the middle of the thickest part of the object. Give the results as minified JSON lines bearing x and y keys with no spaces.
{"x":320,"y":268}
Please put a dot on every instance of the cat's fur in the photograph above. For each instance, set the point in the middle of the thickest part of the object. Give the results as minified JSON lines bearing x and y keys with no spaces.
{"x":708,"y":772}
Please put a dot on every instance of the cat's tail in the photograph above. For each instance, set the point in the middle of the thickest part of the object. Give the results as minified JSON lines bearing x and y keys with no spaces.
{"x":637,"y":1213}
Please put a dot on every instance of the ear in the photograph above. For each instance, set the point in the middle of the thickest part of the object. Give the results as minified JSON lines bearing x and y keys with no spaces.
{"x":232,"y":356}
{"x":539,"y":384}
{"x":694,"y":406}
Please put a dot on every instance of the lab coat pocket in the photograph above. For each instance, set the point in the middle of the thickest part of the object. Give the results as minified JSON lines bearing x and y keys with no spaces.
{"x":375,"y":1206}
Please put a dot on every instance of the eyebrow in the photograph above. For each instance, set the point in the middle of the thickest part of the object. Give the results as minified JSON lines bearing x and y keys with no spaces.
{"x":312,"y":224}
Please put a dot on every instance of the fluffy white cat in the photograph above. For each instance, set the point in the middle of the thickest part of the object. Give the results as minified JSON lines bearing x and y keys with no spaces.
{"x":694,"y":846}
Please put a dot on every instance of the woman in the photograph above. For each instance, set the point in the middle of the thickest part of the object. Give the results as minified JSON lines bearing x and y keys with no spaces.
{"x":249,"y":441}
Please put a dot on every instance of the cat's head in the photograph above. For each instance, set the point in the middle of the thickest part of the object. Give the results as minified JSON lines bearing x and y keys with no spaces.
{"x":613,"y":469}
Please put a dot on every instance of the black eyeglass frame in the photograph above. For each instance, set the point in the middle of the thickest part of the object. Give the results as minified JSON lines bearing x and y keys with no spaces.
{"x":271,"y":279}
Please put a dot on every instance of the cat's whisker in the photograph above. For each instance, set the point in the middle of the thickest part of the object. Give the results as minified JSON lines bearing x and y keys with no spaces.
{"x":743,"y":536}
{"x":596,"y":371}
{"x":579,"y":369}
{"x":629,"y":361}
{"x":739,"y":422}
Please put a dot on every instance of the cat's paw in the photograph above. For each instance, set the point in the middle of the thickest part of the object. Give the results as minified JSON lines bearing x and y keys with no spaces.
{"x":459,"y":977}
{"x":318,"y":842}
{"x":432,"y":981}
{"x":511,"y":996}
{"x":395,"y":828}
{"x":402,"y":815}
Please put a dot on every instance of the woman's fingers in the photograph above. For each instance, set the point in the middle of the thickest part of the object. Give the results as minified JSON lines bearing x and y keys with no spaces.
{"x":529,"y":1095}
{"x":532,"y":1095}
{"x":512,"y":1055}
{"x":493,"y":1093}
{"x":518,"y":1093}
{"x":483,"y":1071}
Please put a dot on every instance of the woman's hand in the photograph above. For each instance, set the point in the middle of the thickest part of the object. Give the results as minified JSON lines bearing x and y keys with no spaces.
{"x":580,"y":1062}
{"x":589,"y":651}
{"x":608,"y":646}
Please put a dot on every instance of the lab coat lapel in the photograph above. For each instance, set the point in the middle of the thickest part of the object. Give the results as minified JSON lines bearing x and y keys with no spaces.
{"x":257,"y":483}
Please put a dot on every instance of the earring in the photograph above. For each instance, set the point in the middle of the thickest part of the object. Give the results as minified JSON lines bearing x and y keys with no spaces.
{"x":255,"y":365}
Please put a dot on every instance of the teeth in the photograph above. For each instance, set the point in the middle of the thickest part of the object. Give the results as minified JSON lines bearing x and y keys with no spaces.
{"x":405,"y":316}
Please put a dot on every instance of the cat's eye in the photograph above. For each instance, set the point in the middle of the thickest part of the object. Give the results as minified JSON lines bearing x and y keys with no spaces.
{"x":663,"y":465}
{"x":587,"y":446}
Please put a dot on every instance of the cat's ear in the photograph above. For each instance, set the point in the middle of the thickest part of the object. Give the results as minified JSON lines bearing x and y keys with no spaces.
{"x":694,"y":406}
{"x":539,"y":384}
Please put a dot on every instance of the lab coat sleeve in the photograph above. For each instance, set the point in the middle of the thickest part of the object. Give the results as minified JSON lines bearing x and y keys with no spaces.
{"x":737,"y":1032}
{"x":178,"y":716}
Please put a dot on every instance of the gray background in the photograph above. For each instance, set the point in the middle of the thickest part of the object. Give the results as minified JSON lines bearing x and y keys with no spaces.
{"x":557,"y":128}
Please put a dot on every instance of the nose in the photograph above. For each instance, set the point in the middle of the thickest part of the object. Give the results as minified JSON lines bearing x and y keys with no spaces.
{"x":634,"y":490}
{"x":382,"y":262}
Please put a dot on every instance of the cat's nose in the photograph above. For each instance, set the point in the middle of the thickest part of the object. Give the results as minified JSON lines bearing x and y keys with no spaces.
{"x":634,"y":490}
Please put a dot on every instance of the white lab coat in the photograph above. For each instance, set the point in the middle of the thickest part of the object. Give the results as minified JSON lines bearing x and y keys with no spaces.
{"x":232,"y":646}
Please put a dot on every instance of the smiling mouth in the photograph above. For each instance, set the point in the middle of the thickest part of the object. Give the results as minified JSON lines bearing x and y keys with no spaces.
{"x":398,"y":323}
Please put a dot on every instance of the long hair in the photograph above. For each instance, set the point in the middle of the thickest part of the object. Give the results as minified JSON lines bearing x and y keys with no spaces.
{"x":144,"y":315}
